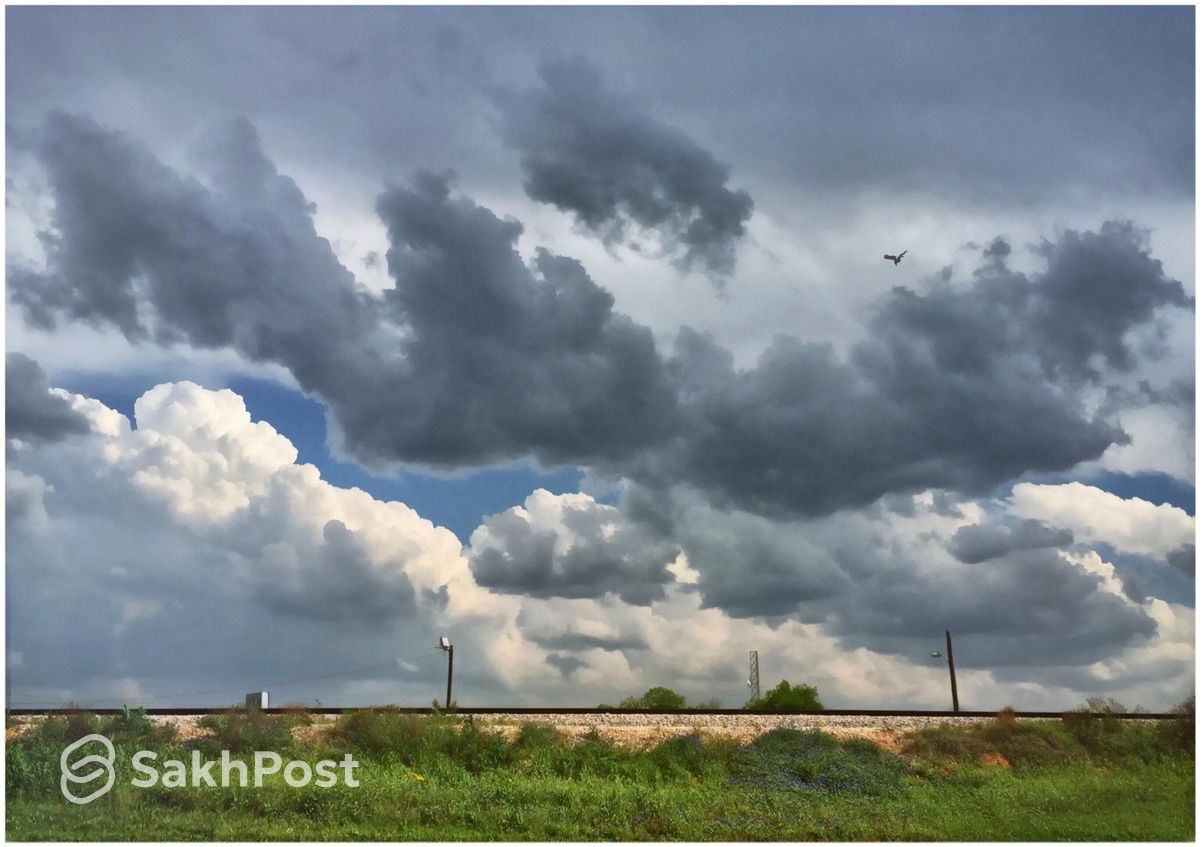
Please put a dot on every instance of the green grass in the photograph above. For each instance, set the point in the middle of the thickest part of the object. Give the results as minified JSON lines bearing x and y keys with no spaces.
{"x":429,"y":779}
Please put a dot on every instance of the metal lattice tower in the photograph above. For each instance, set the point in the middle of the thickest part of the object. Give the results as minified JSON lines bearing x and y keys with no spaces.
{"x":753,"y":680}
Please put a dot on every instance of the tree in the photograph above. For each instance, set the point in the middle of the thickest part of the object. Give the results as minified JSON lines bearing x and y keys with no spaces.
{"x":786,"y":697}
{"x":656,"y":698}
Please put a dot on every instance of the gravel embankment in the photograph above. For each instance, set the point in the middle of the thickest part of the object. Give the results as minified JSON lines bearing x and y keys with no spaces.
{"x":639,"y":731}
{"x":644,"y":731}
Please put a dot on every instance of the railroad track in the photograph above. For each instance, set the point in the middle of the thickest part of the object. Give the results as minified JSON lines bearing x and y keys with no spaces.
{"x":577,"y":710}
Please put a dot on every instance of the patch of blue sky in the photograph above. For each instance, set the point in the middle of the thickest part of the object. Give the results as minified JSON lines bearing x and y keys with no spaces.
{"x":458,"y":502}
{"x":1153,"y":487}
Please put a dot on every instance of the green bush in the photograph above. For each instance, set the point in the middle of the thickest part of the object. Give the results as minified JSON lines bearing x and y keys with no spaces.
{"x":1111,"y":740}
{"x":475,"y":750}
{"x":1180,"y":734}
{"x":244,"y":731}
{"x":792,"y":759}
{"x":945,"y":742}
{"x":32,"y":760}
{"x":786,"y":697}
{"x":1030,"y":743}
{"x":1021,"y":743}
{"x":435,"y":741}
{"x":134,"y":727}
{"x":656,"y":698}
{"x":536,"y":736}
{"x":384,"y":734}
{"x":685,"y":754}
{"x":31,"y":766}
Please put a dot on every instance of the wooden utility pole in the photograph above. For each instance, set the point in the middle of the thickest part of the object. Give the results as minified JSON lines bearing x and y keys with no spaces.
{"x":950,"y":660}
{"x":450,"y":678}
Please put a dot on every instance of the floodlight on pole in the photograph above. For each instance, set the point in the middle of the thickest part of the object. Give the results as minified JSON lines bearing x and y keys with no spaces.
{"x":445,"y":645}
{"x":936,"y":654}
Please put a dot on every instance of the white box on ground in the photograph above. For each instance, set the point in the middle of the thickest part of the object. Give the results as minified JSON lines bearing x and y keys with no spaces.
{"x":256,"y":700}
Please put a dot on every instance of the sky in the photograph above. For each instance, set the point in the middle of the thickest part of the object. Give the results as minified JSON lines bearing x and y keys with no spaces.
{"x":567,"y":333}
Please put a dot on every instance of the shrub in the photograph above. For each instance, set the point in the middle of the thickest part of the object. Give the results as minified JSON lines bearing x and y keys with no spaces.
{"x":945,"y":742}
{"x":31,"y":765}
{"x":685,"y":754}
{"x":242,"y":731}
{"x":656,"y":698}
{"x":385,"y":734}
{"x":132,"y":726}
{"x":792,"y":759}
{"x":475,"y":750}
{"x":786,"y":697}
{"x":593,"y":756}
{"x":1180,"y":733}
{"x":423,"y":742}
{"x":1029,"y":743}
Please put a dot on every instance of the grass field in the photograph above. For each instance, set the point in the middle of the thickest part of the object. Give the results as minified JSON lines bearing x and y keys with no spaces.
{"x":443,"y":779}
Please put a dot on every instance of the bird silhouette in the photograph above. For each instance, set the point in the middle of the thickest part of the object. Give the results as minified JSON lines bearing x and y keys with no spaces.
{"x":895,"y":259}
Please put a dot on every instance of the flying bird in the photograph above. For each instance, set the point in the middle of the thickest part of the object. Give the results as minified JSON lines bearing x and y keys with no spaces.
{"x":895,"y":259}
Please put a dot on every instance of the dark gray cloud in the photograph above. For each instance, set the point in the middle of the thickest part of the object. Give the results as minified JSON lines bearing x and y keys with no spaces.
{"x":1026,"y":607}
{"x":337,"y":582}
{"x":961,"y":385}
{"x":477,"y":357}
{"x":1183,"y":560}
{"x":604,"y":555}
{"x":1144,"y":575}
{"x":957,"y":387}
{"x":574,"y":641}
{"x":1011,"y":598}
{"x":30,"y":410}
{"x":1088,"y":277}
{"x":752,"y":567}
{"x":980,"y":542}
{"x":1009,"y":103}
{"x":503,"y":358}
{"x":236,"y":263}
{"x":566,"y":665}
{"x":590,"y":152}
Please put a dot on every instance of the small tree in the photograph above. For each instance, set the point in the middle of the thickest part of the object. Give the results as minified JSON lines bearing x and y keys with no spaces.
{"x":656,"y":698}
{"x":786,"y":697}
{"x":659,"y":698}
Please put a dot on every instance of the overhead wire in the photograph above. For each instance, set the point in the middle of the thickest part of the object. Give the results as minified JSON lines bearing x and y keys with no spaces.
{"x":212,"y":692}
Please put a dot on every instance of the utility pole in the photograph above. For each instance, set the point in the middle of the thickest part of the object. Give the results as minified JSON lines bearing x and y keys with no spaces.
{"x":445,"y":645}
{"x":753,"y":680}
{"x":950,"y":660}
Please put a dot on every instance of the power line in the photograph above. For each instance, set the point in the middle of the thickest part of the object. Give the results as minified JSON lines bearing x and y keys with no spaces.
{"x":212,"y":692}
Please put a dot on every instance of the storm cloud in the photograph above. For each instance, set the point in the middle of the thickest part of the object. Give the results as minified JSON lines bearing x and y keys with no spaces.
{"x":337,"y":582}
{"x":502,"y":358}
{"x":477,"y":357}
{"x":553,"y":548}
{"x":30,"y":410}
{"x":571,"y":640}
{"x":980,"y":542}
{"x":650,"y":276}
{"x":1027,"y":607}
{"x":590,"y":152}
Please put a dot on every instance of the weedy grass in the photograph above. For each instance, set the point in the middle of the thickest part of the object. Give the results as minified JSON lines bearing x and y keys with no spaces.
{"x":444,"y":778}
